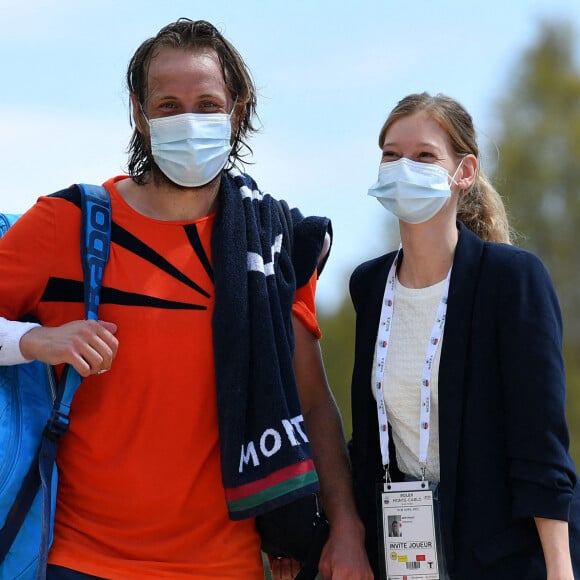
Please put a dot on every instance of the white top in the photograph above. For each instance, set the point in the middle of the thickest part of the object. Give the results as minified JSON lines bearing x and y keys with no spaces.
{"x":412,"y":325}
{"x":10,"y":334}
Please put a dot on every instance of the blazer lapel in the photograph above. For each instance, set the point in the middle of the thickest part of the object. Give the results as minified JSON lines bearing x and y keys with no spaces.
{"x":452,"y":369}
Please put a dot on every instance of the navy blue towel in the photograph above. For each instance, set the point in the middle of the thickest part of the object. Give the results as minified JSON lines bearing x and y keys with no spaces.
{"x":266,"y":459}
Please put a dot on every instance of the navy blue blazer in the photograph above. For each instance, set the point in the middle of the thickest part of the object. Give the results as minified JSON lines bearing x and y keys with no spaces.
{"x":503,"y":435}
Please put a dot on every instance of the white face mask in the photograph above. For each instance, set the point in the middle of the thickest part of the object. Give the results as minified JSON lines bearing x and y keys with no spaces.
{"x":191,"y":149}
{"x":412,"y":191}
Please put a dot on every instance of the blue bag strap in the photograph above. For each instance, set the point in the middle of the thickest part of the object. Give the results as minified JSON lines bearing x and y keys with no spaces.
{"x":95,"y":242}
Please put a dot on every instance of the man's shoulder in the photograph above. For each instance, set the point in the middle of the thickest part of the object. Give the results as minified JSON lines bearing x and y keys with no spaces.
{"x":70,"y":193}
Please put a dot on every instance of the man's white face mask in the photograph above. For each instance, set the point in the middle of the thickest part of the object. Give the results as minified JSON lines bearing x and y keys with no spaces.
{"x":192,"y":148}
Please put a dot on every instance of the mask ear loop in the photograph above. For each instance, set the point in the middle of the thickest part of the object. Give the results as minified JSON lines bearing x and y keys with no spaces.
{"x":143,"y":111}
{"x":452,"y":177}
{"x":234,"y":106}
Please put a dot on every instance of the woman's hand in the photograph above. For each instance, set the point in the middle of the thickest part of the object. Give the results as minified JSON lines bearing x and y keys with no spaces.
{"x":556,"y":546}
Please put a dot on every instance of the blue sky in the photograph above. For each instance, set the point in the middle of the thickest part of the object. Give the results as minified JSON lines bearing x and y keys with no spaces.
{"x":327,"y":75}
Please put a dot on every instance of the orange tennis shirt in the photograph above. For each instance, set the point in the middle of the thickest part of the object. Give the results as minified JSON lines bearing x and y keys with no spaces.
{"x":140,"y":492}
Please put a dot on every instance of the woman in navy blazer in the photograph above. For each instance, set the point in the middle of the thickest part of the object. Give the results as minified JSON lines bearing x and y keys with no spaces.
{"x":506,"y":479}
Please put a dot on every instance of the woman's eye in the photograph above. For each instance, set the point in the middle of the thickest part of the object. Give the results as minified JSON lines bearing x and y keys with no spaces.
{"x":427,"y":155}
{"x":389,"y":156}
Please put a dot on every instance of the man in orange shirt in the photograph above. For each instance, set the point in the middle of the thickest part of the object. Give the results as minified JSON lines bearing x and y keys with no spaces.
{"x":205,"y":400}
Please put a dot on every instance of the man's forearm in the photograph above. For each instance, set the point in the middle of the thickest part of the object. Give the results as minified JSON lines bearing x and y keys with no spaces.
{"x":325,"y":431}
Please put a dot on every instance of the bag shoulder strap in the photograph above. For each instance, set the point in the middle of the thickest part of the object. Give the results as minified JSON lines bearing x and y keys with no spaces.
{"x":95,"y":243}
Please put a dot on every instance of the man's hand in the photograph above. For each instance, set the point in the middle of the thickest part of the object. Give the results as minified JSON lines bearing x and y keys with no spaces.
{"x":344,"y":556}
{"x":87,"y":345}
{"x":284,"y":568}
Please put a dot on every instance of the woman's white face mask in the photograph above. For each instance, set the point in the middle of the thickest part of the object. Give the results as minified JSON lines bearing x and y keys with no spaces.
{"x":414,"y":192}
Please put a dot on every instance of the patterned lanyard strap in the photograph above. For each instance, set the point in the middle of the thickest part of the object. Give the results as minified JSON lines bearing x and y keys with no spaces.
{"x":382,"y":347}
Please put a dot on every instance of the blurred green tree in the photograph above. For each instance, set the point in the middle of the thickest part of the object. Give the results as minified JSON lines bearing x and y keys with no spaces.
{"x":538,"y":174}
{"x":338,"y":350}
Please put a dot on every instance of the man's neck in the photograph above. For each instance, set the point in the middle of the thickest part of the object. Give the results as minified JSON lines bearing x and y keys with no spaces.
{"x":160,"y":199}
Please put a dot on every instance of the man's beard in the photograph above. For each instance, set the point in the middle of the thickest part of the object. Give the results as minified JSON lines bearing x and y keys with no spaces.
{"x":153,"y":173}
{"x":159,"y":178}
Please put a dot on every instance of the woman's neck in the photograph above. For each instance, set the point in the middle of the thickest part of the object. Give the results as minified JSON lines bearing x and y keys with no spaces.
{"x":428,"y":254}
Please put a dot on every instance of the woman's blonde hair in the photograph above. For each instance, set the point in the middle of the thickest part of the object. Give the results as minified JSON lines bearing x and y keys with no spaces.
{"x":480,"y":207}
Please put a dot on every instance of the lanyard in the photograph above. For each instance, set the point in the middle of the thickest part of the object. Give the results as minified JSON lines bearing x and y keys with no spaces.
{"x":382,"y":347}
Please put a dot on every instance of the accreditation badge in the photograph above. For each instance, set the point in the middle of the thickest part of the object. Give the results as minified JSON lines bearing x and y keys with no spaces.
{"x":410,"y":536}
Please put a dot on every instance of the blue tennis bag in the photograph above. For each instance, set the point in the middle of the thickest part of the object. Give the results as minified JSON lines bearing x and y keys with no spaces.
{"x":34,"y":415}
